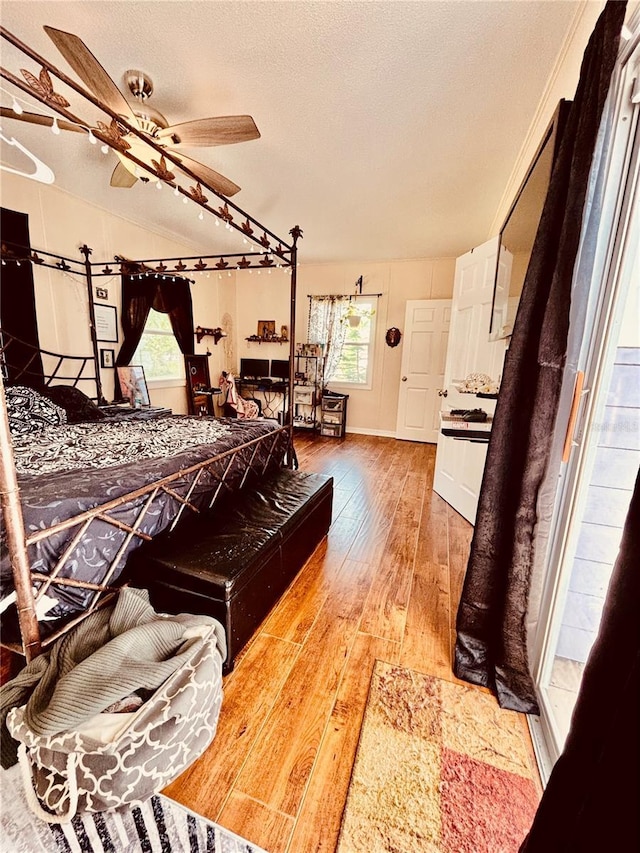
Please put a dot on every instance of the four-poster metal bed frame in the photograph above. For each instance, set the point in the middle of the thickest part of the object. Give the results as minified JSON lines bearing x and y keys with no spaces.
{"x":271,"y":252}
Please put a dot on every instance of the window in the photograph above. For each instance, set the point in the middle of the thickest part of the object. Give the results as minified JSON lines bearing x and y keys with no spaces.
{"x":356,"y":360}
{"x":158,"y":351}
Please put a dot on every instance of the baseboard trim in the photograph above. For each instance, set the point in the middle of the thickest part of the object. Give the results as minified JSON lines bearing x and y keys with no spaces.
{"x":383,"y":433}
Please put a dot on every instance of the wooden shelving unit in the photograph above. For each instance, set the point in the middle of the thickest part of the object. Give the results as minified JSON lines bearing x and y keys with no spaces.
{"x":307,"y":392}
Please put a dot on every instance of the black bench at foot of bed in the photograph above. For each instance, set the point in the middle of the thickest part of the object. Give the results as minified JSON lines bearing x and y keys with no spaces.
{"x":235,"y":563}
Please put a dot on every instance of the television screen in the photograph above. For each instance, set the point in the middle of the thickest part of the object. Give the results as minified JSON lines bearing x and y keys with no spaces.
{"x":279,"y":369}
{"x":254,"y":368}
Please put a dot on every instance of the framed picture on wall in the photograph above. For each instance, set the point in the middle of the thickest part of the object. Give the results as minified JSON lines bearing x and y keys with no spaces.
{"x":106,"y":323}
{"x":107,"y":357}
{"x":134,"y":385}
{"x":266,"y":328}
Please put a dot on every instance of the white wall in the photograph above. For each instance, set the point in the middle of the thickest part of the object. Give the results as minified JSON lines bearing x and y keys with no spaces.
{"x":261,"y":296}
{"x":60,"y":222}
{"x":562,"y":83}
{"x":374,"y":411}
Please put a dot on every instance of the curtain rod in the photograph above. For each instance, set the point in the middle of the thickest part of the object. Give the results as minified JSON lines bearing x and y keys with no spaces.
{"x":340,"y":295}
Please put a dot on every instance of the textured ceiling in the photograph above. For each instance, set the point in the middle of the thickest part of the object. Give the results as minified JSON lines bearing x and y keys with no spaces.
{"x":389,"y":129}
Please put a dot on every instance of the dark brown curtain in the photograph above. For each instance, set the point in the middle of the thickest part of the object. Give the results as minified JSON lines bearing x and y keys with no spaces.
{"x":139,"y":296}
{"x":591,"y":801}
{"x":168,"y":296}
{"x":491,"y":644}
{"x":18,"y":303}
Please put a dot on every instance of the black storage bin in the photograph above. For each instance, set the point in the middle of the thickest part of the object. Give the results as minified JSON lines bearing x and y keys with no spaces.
{"x":234,"y":565}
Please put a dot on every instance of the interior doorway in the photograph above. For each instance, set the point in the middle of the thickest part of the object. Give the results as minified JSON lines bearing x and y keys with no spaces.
{"x":460,"y":463}
{"x":424,"y":354}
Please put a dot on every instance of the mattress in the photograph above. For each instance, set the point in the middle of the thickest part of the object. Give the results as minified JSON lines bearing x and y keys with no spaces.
{"x":66,"y":470}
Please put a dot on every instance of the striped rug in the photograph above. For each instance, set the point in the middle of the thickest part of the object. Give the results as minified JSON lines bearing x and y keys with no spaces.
{"x":440,"y":768}
{"x":159,"y":826}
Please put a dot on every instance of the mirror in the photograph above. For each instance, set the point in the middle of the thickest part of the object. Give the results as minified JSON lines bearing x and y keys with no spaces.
{"x":519,"y":229}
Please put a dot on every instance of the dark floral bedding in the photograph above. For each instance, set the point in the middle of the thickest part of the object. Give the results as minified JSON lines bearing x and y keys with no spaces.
{"x":64,"y":470}
{"x":69,"y":447}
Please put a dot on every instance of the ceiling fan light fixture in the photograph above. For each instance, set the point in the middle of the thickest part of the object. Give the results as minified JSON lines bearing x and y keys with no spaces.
{"x":54,"y":126}
{"x":15,"y":106}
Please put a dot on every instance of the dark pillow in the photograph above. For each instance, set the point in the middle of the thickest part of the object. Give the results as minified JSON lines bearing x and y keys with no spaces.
{"x":75,"y":403}
{"x":29,"y":411}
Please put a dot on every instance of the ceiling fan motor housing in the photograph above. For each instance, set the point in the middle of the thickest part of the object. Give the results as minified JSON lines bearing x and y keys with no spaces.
{"x":139,"y":84}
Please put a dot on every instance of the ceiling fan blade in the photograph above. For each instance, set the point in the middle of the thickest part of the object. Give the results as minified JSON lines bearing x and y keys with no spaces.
{"x":208,"y":176}
{"x":91,"y":72}
{"x":122,"y":177}
{"x":36,"y":118}
{"x":221,"y":130}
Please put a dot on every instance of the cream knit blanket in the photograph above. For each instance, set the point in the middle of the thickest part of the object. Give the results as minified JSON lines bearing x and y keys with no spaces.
{"x":108,"y":656}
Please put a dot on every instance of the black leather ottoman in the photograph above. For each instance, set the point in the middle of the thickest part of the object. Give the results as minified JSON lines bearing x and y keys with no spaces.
{"x":235,"y":563}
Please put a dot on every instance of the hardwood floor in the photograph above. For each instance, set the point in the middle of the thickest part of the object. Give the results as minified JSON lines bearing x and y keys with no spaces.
{"x":384,"y":585}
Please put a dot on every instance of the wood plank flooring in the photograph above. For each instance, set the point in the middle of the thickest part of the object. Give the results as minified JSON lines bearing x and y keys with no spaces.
{"x":384,"y":585}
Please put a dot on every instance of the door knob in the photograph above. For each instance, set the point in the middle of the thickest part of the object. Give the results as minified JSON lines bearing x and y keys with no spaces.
{"x":404,"y":378}
{"x":442,"y":393}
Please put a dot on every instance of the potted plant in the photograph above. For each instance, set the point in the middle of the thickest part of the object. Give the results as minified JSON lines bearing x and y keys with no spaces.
{"x":355,"y":313}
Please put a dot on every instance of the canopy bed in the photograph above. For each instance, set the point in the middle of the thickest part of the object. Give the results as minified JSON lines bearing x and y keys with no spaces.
{"x":69,"y":520}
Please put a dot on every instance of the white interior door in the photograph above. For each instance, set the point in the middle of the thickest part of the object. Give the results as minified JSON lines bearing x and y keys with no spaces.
{"x":460,"y":463}
{"x":424,"y":354}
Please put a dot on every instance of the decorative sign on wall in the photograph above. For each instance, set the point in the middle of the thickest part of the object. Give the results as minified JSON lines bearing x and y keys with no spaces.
{"x":393,"y":337}
{"x":106,"y":323}
{"x":102,"y":293}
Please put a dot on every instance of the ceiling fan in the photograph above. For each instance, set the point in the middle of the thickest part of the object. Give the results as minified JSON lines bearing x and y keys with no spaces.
{"x":219,"y":130}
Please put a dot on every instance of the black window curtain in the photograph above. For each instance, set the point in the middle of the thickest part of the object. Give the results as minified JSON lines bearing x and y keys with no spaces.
{"x":590,"y":804}
{"x":18,"y":318}
{"x":491,"y":643}
{"x":139,"y":296}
